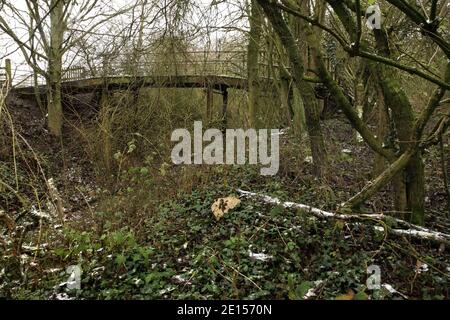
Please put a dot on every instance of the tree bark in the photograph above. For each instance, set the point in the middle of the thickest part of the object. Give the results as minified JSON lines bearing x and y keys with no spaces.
{"x":294,"y":113}
{"x":253,"y":51}
{"x":54,"y":96}
{"x":312,"y":114}
{"x":403,"y":117}
{"x":382,"y":121}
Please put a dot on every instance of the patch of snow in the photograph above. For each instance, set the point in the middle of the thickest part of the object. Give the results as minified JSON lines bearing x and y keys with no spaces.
{"x":391,"y":289}
{"x":40,"y":214}
{"x":378,"y":228}
{"x":312,"y":292}
{"x":62,"y":296}
{"x":346,"y":151}
{"x":359,"y":138}
{"x":53,"y":270}
{"x":280,"y":132}
{"x":179,"y":279}
{"x":166,"y":290}
{"x":24,"y":258}
{"x":138,"y":282}
{"x":422,"y":268}
{"x":97,"y":271}
{"x":259,"y":256}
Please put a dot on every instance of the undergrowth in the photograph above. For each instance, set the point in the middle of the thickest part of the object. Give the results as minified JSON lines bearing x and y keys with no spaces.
{"x":176,"y":249}
{"x":143,"y":229}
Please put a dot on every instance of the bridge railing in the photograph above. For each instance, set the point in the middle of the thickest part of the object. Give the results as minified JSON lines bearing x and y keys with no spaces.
{"x":74,"y":73}
{"x":199,"y":63}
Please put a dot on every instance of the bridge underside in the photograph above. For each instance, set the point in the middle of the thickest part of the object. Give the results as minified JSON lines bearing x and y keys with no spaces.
{"x":134,"y":82}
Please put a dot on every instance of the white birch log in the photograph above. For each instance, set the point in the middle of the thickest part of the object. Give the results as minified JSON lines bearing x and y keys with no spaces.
{"x":413,"y":230}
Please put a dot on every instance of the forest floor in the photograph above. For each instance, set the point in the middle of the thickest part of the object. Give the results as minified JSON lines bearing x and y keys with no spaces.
{"x":146,"y":230}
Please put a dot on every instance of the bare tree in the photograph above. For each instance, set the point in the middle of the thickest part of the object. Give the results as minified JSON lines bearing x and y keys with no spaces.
{"x":53,"y":27}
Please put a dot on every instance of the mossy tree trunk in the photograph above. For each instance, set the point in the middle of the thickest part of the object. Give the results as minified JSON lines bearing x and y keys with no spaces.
{"x":253,"y":50}
{"x":382,"y":123}
{"x":290,"y":100}
{"x":403,"y":117}
{"x":404,"y":159}
{"x":306,"y":90}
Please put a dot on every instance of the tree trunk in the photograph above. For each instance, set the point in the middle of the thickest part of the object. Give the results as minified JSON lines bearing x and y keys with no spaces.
{"x":403,"y":117}
{"x":253,"y":61}
{"x":306,"y":90}
{"x":380,"y":163}
{"x":54,"y":107}
{"x":284,"y":89}
{"x":289,"y":106}
{"x":54,"y":97}
{"x":298,"y":111}
{"x":382,"y":121}
{"x":406,"y":157}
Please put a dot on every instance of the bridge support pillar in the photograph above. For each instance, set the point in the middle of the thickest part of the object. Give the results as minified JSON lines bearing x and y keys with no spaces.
{"x":224,"y":107}
{"x":8,"y":73}
{"x":209,"y":102}
{"x":105,"y":128}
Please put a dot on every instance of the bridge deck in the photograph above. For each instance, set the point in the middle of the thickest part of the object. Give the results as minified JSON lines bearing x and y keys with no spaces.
{"x":218,"y":82}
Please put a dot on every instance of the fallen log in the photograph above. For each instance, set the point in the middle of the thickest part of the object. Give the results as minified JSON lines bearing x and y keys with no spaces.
{"x":414,"y":231}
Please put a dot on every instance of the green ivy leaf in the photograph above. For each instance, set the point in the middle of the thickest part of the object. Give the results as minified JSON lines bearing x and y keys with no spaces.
{"x":361,"y":295}
{"x":303,"y":288}
{"x":120,"y":259}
